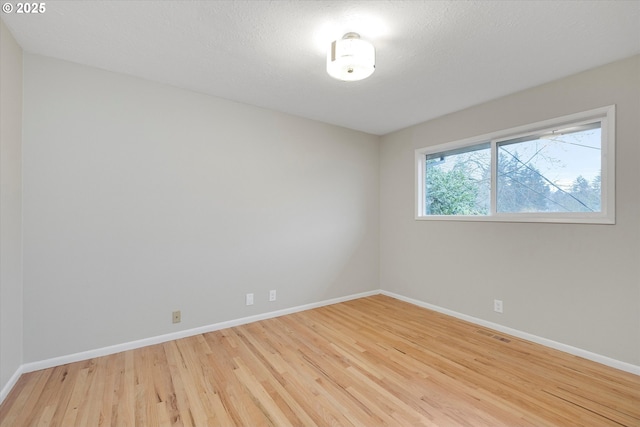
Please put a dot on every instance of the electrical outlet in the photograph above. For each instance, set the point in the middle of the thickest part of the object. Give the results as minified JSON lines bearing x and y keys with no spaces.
{"x":176,"y":316}
{"x":249,"y":299}
{"x":272,"y":295}
{"x":497,"y":305}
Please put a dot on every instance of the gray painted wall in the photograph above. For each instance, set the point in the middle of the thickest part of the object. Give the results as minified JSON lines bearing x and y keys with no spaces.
{"x":10,"y":206}
{"x":141,"y":199}
{"x":574,"y":284}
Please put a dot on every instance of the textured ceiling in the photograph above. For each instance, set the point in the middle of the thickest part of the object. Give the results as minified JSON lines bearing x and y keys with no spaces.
{"x":433,"y":57}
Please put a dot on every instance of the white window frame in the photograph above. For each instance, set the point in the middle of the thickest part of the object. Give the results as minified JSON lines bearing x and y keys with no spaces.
{"x":606,"y":117}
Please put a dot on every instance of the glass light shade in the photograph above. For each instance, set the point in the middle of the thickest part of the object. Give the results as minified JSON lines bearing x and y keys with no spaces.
{"x":351,"y":58}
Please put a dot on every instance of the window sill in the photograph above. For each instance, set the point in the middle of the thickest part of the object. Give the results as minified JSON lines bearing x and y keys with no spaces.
{"x":568,"y":219}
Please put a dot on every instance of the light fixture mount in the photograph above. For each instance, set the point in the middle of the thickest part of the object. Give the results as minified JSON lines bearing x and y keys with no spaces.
{"x":351,"y":58}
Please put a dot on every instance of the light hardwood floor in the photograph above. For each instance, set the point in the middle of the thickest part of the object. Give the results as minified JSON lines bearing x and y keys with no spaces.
{"x":372,"y":361}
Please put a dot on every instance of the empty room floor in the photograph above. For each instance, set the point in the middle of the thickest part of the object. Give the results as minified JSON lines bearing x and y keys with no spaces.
{"x":371,"y":361}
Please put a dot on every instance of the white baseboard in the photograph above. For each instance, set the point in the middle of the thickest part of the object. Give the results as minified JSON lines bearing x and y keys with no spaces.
{"x":11,"y":383}
{"x":105,"y":351}
{"x":623,"y":366}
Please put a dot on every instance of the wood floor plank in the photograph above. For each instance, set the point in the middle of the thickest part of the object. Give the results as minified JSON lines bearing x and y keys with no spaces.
{"x":89,"y":413}
{"x":184,"y":417}
{"x":374,"y":361}
{"x":124,"y":410}
{"x":111,"y":366}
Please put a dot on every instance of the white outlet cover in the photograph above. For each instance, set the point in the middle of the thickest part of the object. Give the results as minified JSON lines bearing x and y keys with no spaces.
{"x":272,"y":295}
{"x":249,"y":299}
{"x":497,"y":305}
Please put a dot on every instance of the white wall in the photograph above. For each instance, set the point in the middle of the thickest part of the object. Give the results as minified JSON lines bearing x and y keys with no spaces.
{"x":10,"y":206}
{"x":140,"y":199}
{"x":574,"y":284}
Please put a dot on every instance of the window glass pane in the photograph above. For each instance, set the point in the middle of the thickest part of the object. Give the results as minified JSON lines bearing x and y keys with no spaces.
{"x":457,"y":182}
{"x":555,"y":172}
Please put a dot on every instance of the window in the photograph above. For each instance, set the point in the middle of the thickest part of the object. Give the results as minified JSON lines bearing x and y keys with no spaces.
{"x":560,"y":170}
{"x":457,"y":182}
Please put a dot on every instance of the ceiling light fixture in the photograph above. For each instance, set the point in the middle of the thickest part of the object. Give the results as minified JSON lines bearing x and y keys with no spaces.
{"x":351,"y":58}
